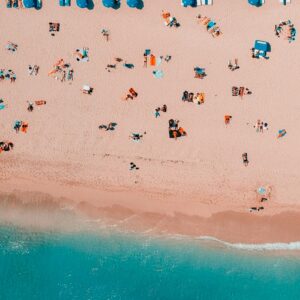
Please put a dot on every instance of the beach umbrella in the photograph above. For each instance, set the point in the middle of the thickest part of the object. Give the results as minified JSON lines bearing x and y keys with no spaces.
{"x":262,"y":46}
{"x":192,"y":3}
{"x":135,"y":3}
{"x":256,"y":3}
{"x":29,"y":3}
{"x":111,"y":3}
{"x":82,"y":3}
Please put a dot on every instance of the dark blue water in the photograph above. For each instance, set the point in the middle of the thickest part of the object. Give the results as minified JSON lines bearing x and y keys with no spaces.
{"x":111,"y":266}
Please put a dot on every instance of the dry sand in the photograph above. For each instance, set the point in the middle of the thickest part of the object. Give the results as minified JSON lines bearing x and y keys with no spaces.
{"x":187,"y":185}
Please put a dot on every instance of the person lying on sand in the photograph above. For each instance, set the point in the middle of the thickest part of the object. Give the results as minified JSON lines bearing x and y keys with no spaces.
{"x":245,"y":159}
{"x":133,"y":166}
{"x":6,"y":146}
{"x":137,"y":136}
{"x":227,"y":119}
{"x":110,"y":126}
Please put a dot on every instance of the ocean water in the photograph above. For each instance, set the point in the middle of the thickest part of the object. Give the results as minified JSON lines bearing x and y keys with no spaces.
{"x":82,"y":265}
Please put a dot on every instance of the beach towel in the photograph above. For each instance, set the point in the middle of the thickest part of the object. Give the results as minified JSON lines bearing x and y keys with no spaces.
{"x":152,"y":60}
{"x":40,"y":102}
{"x":158,"y":61}
{"x":2,"y":106}
{"x":158,"y":73}
{"x":82,"y":54}
{"x":82,"y":3}
{"x":210,"y":25}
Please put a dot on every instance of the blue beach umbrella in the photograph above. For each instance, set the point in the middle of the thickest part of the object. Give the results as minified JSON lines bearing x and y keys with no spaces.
{"x":82,"y":3}
{"x":135,"y":3}
{"x":187,"y":3}
{"x":29,"y":3}
{"x":111,"y":3}
{"x":256,"y":3}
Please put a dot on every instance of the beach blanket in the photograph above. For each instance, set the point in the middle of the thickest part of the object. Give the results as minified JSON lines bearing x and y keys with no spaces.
{"x":82,"y":54}
{"x":158,"y":73}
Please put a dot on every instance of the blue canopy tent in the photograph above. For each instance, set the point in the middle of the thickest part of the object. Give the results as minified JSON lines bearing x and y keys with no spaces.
{"x":256,"y":3}
{"x":115,"y":4}
{"x":192,"y":3}
{"x":82,"y":3}
{"x":139,"y":4}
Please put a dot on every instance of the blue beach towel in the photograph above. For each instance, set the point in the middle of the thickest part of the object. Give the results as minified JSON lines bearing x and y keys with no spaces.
{"x":158,"y":73}
{"x":2,"y":106}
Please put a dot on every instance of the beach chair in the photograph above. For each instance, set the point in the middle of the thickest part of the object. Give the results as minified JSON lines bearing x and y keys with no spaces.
{"x":285,"y":2}
{"x":65,"y":2}
{"x":205,"y":2}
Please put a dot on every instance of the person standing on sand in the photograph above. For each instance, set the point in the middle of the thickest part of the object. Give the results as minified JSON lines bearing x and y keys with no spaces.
{"x":145,"y":60}
{"x":157,"y":114}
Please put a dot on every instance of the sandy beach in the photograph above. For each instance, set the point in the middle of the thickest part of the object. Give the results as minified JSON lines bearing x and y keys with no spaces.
{"x":196,"y":185}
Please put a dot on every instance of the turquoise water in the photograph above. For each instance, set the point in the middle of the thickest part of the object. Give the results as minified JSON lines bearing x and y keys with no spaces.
{"x":114,"y":266}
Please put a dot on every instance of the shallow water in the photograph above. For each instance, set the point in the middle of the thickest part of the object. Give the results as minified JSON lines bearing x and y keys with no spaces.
{"x":118,"y":266}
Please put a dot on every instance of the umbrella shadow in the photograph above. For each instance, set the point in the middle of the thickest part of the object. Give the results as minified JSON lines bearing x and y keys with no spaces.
{"x":90,"y":4}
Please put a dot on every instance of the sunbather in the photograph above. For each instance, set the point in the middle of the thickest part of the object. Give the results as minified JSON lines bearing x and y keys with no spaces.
{"x":227,"y":119}
{"x":245,"y":159}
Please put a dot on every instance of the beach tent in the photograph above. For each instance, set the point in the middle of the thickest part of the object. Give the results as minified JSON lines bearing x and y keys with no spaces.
{"x":186,"y":3}
{"x":135,"y":3}
{"x":256,"y":3}
{"x":111,"y":3}
{"x":82,"y":3}
{"x":262,"y":46}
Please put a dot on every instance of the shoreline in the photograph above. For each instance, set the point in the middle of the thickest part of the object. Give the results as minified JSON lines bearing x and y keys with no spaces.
{"x":112,"y":207}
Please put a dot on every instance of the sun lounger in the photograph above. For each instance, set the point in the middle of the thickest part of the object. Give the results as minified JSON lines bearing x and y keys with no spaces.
{"x":206,"y":2}
{"x":65,"y":2}
{"x":285,"y":2}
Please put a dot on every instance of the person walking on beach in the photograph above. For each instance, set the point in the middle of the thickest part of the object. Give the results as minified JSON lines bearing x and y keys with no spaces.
{"x":157,"y":114}
{"x":145,"y":60}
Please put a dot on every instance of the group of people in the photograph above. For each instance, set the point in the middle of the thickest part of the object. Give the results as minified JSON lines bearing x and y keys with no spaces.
{"x":160,"y":109}
{"x":110,"y":127}
{"x":233,"y":66}
{"x":62,"y":71}
{"x":20,"y":125}
{"x":82,"y":54}
{"x":261,"y":126}
{"x":8,"y":75}
{"x":6,"y":146}
{"x":286,"y":29}
{"x":198,"y":98}
{"x":174,"y":130}
{"x":211,"y":26}
{"x":54,"y":27}
{"x":12,"y":47}
{"x":33,"y":70}
{"x":131,"y":94}
{"x":169,"y":20}
{"x":240,"y":91}
{"x":30,"y":106}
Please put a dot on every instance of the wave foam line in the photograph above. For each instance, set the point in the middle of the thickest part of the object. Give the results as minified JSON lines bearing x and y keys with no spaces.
{"x":256,"y":247}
